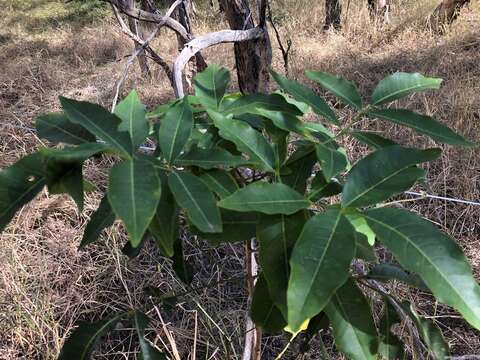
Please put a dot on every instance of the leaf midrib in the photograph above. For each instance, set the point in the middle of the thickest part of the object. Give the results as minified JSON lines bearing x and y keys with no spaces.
{"x":19,"y":199}
{"x":174,"y":137}
{"x":407,"y":90}
{"x":82,"y":140}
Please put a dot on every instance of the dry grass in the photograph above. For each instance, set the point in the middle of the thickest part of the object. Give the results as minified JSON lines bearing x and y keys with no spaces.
{"x":47,"y":285}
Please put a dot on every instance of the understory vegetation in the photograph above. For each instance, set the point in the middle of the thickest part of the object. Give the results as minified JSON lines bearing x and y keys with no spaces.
{"x":48,"y":285}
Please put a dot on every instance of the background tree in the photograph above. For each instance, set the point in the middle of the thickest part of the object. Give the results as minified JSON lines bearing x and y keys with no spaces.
{"x":333,"y":14}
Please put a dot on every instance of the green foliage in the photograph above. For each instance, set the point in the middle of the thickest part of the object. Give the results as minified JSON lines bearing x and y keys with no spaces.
{"x":235,"y":167}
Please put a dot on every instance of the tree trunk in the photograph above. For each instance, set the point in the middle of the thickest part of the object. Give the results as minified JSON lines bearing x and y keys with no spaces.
{"x":142,"y":58}
{"x":333,"y":14}
{"x":253,"y":58}
{"x":445,"y":14}
{"x":379,"y":7}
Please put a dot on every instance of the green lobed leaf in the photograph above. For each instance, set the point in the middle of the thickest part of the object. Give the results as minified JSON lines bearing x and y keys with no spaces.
{"x":82,"y":341}
{"x":341,"y":88}
{"x":374,"y":141}
{"x":57,"y":128}
{"x":264,"y":313}
{"x":319,"y":265}
{"x":277,"y":235}
{"x":430,"y":333}
{"x":306,"y":95}
{"x":197,"y":200}
{"x":164,"y":225}
{"x":384,"y":173}
{"x":98,"y":121}
{"x":422,"y":124}
{"x":385,"y":272}
{"x":352,"y":323}
{"x":220,"y":182}
{"x":246,"y":139}
{"x":209,"y":158}
{"x":321,"y":188}
{"x":141,"y":321}
{"x":102,"y":218}
{"x":332,"y":161}
{"x":19,"y":184}
{"x":421,"y":248}
{"x":266,"y":198}
{"x":175,"y":129}
{"x":210,"y":86}
{"x":134,"y":191}
{"x":401,"y":84}
{"x":390,"y":347}
{"x":133,"y":115}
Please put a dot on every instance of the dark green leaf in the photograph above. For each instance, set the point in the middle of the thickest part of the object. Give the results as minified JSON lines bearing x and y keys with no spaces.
{"x":98,"y":121}
{"x":161,"y":110}
{"x":341,"y":88}
{"x":384,"y":173}
{"x":321,"y":188}
{"x":164,"y":225}
{"x":66,"y":178}
{"x":319,"y":265}
{"x":175,"y":129}
{"x":102,"y":218}
{"x":220,"y":182}
{"x":247,"y":140}
{"x":132,"y":113}
{"x":277,"y":236}
{"x":19,"y":184}
{"x":82,"y":341}
{"x":430,"y":333}
{"x":352,"y":323}
{"x":332,"y":161}
{"x":180,"y":265}
{"x":134,"y":191}
{"x":210,"y":86}
{"x":299,"y":171}
{"x":74,"y":154}
{"x":360,"y":225}
{"x":197,"y":200}
{"x":133,"y":252}
{"x":373,"y":140}
{"x":209,"y":158}
{"x":385,"y":272}
{"x":250,"y":104}
{"x":422,"y":124}
{"x":264,"y":313}
{"x":141,"y":321}
{"x":266,"y":198}
{"x":364,"y":250}
{"x":401,"y":84}
{"x":421,"y":248}
{"x":390,"y":346}
{"x":306,"y":95}
{"x":56,"y":127}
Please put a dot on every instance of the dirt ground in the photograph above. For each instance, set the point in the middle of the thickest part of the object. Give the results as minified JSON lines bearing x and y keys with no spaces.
{"x":49,"y":48}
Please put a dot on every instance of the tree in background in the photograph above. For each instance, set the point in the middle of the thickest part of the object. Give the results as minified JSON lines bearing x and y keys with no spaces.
{"x":446,"y":13}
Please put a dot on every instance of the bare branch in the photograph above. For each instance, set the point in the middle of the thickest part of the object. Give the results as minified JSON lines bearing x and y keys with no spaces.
{"x":205,"y":41}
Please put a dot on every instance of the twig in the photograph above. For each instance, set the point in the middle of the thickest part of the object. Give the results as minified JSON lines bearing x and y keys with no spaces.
{"x":285,"y":51}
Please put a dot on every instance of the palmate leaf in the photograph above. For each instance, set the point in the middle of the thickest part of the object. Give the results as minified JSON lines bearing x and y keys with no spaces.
{"x":19,"y":184}
{"x":421,"y":248}
{"x":430,"y":333}
{"x":165,"y":225}
{"x":133,"y":115}
{"x":422,"y":124}
{"x":352,"y":323}
{"x":197,"y":200}
{"x":264,"y":312}
{"x":341,"y":88}
{"x":384,"y":173}
{"x":134,"y":191}
{"x":57,"y":128}
{"x":82,"y":341}
{"x":209,"y":158}
{"x":246,"y":139}
{"x":277,"y":235}
{"x":401,"y":84}
{"x":319,"y":265}
{"x":390,"y":347}
{"x":98,"y":121}
{"x":306,"y":95}
{"x":102,"y":218}
{"x":266,"y":198}
{"x":175,"y":129}
{"x":141,"y":321}
{"x":210,"y":86}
